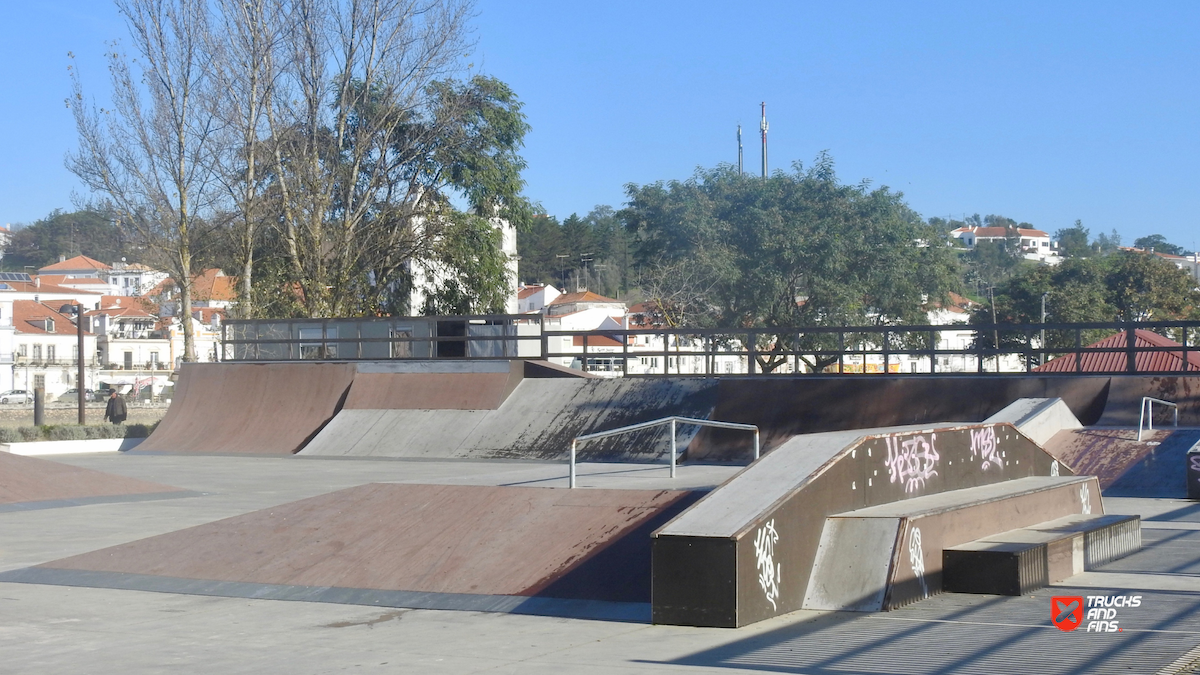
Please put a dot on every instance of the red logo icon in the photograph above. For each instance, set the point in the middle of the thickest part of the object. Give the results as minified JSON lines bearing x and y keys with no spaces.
{"x":1066,"y":612}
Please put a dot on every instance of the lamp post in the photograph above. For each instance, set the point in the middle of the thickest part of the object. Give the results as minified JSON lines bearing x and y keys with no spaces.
{"x":1042,"y":360}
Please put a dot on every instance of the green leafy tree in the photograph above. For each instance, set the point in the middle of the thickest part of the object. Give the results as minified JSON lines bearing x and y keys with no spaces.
{"x":1127,"y":286}
{"x":469,"y":273}
{"x":795,"y":249}
{"x":90,"y":233}
{"x":1158,"y":244}
{"x":1106,"y":244}
{"x":1073,"y":241}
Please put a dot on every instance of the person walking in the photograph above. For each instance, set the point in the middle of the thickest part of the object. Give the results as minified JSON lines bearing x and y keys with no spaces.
{"x":115,"y":412}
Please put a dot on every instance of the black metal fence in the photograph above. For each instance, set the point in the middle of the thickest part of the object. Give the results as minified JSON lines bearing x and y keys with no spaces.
{"x":858,"y":350}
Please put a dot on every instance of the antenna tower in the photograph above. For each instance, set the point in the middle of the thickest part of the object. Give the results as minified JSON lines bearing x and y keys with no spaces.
{"x":739,"y":149}
{"x":763,"y":125}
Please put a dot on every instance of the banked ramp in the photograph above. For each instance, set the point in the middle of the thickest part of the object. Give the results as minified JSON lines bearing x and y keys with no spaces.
{"x":579,"y":553}
{"x":249,"y":408}
{"x":445,"y":411}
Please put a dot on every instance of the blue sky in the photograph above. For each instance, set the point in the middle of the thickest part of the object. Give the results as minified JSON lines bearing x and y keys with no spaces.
{"x":1043,"y":112}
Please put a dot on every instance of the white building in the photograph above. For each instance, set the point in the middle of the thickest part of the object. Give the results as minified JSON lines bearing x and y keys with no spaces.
{"x":133,"y":279}
{"x":1034,"y":244}
{"x":533,"y":298}
{"x":1187,"y":263}
{"x":47,"y":349}
{"x":428,"y":274}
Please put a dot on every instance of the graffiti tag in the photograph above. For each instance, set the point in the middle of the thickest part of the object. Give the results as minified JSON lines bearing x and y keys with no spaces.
{"x":986,"y":447}
{"x":1195,"y":462}
{"x":1054,"y":468}
{"x":916,"y":558}
{"x":911,"y":462}
{"x":1085,"y":499}
{"x":768,"y":570}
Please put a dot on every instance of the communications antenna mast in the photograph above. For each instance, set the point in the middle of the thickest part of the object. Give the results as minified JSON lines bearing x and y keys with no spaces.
{"x":763,"y":125}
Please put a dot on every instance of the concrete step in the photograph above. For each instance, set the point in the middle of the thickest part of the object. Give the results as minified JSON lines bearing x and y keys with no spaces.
{"x":1023,"y":560}
{"x":887,"y":556}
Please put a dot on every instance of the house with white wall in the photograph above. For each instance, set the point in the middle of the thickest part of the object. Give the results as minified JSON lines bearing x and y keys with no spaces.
{"x":47,"y":349}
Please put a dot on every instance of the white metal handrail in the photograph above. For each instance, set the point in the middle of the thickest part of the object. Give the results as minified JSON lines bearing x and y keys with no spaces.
{"x":672,"y":421}
{"x":1146,"y":415}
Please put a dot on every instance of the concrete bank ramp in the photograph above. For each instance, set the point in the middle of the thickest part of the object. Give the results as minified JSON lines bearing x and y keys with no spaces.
{"x":746,"y":551}
{"x":537,"y":420}
{"x":1038,"y":418}
{"x":29,"y":483}
{"x":783,"y":407}
{"x":532,"y":550}
{"x":1125,"y":399}
{"x":249,"y":408}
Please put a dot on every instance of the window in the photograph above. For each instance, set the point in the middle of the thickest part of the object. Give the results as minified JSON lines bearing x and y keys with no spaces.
{"x":39,"y":381}
{"x":37,"y":352}
{"x":49,"y":352}
{"x":22,"y":350}
{"x":154,"y":359}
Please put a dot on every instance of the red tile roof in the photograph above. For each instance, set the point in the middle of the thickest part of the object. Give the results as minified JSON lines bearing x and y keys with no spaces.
{"x":1110,"y":362}
{"x":1000,"y":232}
{"x":29,"y":317}
{"x":585,"y":296}
{"x":79,"y":262}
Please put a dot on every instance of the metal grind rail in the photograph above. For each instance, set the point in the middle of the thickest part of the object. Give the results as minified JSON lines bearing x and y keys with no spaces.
{"x":1146,"y":414}
{"x":672,"y":421}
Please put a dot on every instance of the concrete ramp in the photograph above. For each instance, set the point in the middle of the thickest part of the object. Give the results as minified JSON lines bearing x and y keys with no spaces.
{"x":1038,"y":418}
{"x":433,"y":385}
{"x":28,"y":483}
{"x":784,"y":407}
{"x":1126,"y":392}
{"x":249,"y":408}
{"x":443,"y":546}
{"x":536,"y":421}
{"x":747,"y":550}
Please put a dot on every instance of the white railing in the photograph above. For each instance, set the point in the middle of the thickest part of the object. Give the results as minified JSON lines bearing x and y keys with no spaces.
{"x":672,"y":421}
{"x":1146,"y":415}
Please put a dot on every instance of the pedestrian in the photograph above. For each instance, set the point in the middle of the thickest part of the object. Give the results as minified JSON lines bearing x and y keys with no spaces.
{"x":115,"y":412}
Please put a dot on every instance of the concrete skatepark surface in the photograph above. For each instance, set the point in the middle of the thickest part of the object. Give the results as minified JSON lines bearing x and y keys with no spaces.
{"x":61,"y":629}
{"x":29,"y":483}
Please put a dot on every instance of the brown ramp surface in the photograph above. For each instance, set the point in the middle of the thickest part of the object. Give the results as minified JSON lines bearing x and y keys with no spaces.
{"x":433,"y":385}
{"x":783,"y":407}
{"x":447,"y":541}
{"x":1125,"y":466}
{"x":249,"y":408}
{"x":30,"y":483}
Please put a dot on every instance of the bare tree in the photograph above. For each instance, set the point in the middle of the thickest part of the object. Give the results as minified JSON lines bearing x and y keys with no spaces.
{"x":354,"y":141}
{"x":246,"y":56}
{"x":152,"y":155}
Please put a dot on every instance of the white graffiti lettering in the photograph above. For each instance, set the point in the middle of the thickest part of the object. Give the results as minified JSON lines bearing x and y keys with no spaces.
{"x":911,"y":462}
{"x":986,"y":447}
{"x":1085,"y":499}
{"x":1195,"y":462}
{"x":768,"y":570}
{"x":1054,"y":468}
{"x":916,"y":558}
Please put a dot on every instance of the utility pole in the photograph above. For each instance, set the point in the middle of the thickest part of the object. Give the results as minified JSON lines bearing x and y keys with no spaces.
{"x":80,"y":387}
{"x":763,"y":125}
{"x":562,"y":270}
{"x":740,"y":172}
{"x":1042,"y":360}
{"x":584,"y":259}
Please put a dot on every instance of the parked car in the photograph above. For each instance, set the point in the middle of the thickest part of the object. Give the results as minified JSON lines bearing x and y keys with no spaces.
{"x":103,"y":393}
{"x":72,"y":396}
{"x":15,"y":396}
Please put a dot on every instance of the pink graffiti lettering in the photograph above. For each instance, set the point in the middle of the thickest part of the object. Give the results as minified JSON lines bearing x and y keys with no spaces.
{"x":911,"y":462}
{"x":986,"y":447}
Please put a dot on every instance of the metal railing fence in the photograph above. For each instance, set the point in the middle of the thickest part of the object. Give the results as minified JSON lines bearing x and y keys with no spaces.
{"x":672,"y":422}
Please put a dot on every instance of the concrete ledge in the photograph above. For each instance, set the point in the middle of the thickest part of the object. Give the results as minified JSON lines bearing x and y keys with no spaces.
{"x":71,"y":447}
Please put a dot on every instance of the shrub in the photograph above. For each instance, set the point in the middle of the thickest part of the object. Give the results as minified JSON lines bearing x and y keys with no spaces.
{"x":9,"y":435}
{"x":30,"y":433}
{"x":67,"y":432}
{"x":138,"y":430}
